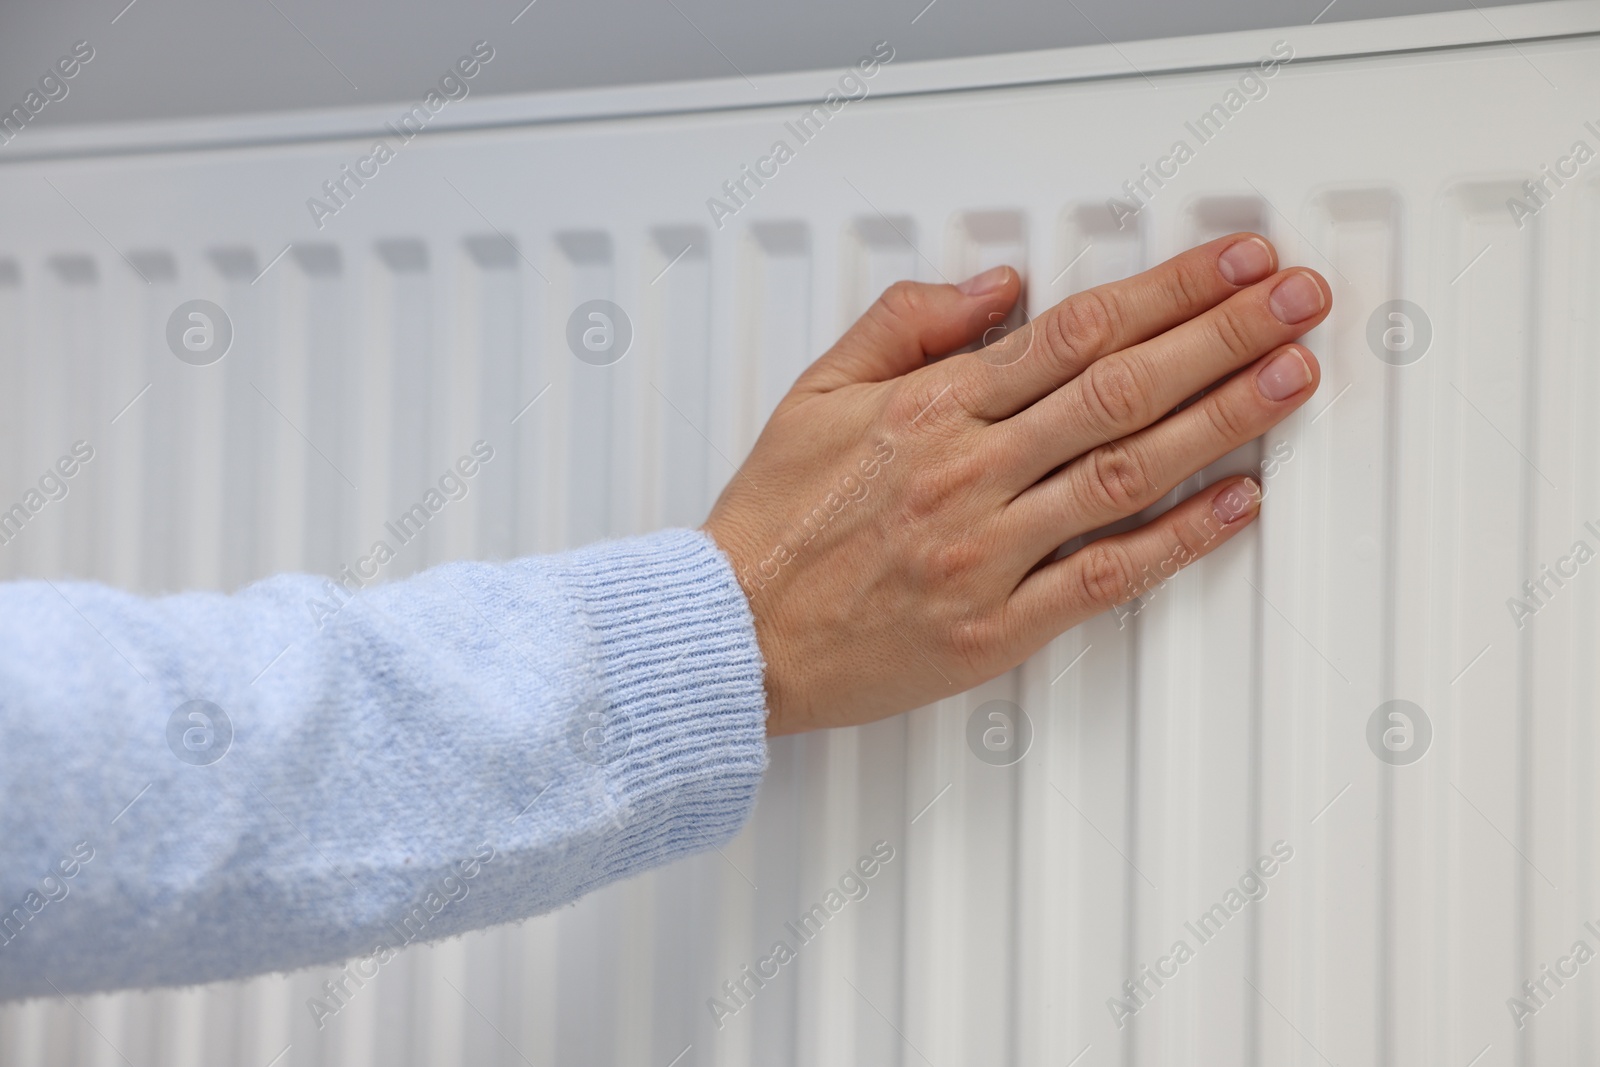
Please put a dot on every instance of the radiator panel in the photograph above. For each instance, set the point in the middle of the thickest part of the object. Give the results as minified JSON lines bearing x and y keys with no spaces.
{"x":1171,"y":748}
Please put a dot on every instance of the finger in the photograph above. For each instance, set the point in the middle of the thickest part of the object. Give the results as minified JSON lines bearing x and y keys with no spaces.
{"x":911,"y":323}
{"x":1112,"y":571}
{"x":1057,"y":345}
{"x":1126,"y":476}
{"x":1129,"y":390}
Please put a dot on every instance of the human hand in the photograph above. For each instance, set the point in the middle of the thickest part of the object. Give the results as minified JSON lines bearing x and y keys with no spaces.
{"x":896,"y":524}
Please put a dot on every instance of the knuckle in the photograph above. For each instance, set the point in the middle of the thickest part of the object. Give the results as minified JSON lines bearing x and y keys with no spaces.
{"x":908,"y":400}
{"x":944,"y":566}
{"x":1113,"y":394}
{"x":968,"y":398}
{"x":1105,"y":574}
{"x":1117,"y":479}
{"x":902,"y":301}
{"x":1231,"y":326}
{"x":1229,"y":421}
{"x":1081,"y":328}
{"x":898,"y":309}
{"x":1191,"y":282}
{"x":951,"y":392}
{"x":929,"y":493}
{"x":924,"y":497}
{"x":973,"y":640}
{"x":928,"y":403}
{"x":954,"y":559}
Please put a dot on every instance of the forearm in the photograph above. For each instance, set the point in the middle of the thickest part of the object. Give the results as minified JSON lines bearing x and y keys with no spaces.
{"x":424,"y":762}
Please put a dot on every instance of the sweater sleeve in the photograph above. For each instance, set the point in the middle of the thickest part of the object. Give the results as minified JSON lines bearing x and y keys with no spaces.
{"x":205,"y":786}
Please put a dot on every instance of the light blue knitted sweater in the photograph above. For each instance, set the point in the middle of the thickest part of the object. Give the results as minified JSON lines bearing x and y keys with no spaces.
{"x":478,"y":743}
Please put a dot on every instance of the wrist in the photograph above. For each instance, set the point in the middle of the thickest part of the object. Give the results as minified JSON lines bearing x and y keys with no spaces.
{"x":748,"y":573}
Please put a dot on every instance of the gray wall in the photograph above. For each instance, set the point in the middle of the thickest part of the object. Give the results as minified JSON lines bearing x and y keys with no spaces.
{"x":171,"y":58}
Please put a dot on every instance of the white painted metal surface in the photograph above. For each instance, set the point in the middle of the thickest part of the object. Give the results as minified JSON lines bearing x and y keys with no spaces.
{"x":1407,"y":504}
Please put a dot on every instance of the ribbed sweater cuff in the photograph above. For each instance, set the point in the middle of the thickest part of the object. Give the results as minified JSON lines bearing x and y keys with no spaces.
{"x":683,"y":737}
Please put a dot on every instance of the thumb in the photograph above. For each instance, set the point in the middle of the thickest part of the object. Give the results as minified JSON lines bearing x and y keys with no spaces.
{"x":911,"y":323}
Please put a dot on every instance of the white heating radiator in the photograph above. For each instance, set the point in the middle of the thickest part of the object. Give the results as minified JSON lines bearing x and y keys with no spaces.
{"x":1417,"y":498}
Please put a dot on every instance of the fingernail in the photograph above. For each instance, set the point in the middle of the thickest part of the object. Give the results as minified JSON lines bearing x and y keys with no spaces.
{"x":987,"y":282}
{"x":1296,"y":298}
{"x":1236,"y":501}
{"x":1284,"y":376}
{"x":1245,"y":261}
